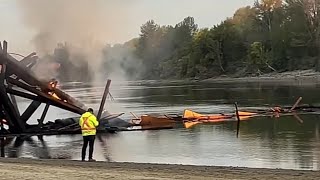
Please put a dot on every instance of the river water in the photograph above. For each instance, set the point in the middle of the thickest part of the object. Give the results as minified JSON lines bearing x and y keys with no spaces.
{"x":264,"y":142}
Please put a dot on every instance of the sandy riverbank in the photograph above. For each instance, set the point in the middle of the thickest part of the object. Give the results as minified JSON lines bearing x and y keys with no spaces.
{"x":12,"y":169}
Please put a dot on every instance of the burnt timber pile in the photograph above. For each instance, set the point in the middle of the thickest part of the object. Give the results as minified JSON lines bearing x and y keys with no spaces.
{"x":17,"y":79}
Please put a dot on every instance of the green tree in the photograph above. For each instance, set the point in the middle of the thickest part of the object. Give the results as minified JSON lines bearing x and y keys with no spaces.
{"x":256,"y":57}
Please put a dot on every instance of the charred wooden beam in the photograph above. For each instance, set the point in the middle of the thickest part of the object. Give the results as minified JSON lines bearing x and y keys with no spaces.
{"x":47,"y":98}
{"x":2,"y":145}
{"x":30,"y":59}
{"x":44,"y":113}
{"x":14,"y":101}
{"x":32,"y":64}
{"x":23,"y":94}
{"x":238,"y":119}
{"x":23,"y":73}
{"x":37,"y":100}
{"x":15,"y":105}
{"x":11,"y":114}
{"x":30,"y":110}
{"x":18,"y":69}
{"x":43,"y":87}
{"x":18,"y":73}
{"x":28,"y":77}
{"x":103,"y":101}
{"x":5,"y":48}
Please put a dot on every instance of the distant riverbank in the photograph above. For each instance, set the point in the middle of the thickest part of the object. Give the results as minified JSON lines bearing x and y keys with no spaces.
{"x":300,"y":77}
{"x":12,"y":169}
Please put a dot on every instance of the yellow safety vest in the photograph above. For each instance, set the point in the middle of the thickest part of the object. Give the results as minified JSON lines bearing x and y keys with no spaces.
{"x":88,"y":123}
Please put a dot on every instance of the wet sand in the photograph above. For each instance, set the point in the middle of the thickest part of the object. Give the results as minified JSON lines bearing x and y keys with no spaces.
{"x":12,"y":169}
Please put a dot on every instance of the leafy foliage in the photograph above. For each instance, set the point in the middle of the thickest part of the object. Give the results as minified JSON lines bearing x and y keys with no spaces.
{"x":272,"y":35}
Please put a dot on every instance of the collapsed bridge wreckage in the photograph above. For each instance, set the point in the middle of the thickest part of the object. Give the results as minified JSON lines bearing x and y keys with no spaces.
{"x":17,"y":79}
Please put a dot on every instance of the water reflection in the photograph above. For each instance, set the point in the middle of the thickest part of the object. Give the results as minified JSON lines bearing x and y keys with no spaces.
{"x":285,"y":142}
{"x":263,"y":142}
{"x":40,"y":150}
{"x":37,"y":147}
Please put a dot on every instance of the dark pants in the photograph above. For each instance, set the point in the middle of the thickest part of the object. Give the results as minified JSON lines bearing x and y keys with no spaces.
{"x":86,"y":140}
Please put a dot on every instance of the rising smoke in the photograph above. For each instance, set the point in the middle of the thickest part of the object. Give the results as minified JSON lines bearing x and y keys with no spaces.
{"x":85,"y":24}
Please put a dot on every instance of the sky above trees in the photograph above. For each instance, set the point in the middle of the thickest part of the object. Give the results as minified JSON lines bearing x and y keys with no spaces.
{"x":124,"y":17}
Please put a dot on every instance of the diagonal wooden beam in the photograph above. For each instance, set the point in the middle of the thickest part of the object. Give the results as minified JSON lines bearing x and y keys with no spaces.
{"x":47,"y":98}
{"x":43,"y":116}
{"x":23,"y":94}
{"x":34,"y":105}
{"x":28,"y":59}
{"x":27,"y":76}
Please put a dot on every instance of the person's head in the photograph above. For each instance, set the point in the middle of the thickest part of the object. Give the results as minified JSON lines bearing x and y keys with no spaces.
{"x":90,"y":110}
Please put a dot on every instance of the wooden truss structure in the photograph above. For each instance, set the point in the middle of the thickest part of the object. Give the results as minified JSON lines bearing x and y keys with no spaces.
{"x":17,"y":79}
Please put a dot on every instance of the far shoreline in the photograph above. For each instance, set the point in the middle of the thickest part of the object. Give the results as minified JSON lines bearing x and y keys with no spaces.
{"x":299,"y":77}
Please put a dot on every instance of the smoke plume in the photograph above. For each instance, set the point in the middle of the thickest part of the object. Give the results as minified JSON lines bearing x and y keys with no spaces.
{"x":85,"y":24}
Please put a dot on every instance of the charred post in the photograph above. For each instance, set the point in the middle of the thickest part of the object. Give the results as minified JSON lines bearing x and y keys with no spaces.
{"x":238,"y":119}
{"x":10,"y":112}
{"x":104,"y":97}
{"x":43,"y":116}
{"x":14,"y":102}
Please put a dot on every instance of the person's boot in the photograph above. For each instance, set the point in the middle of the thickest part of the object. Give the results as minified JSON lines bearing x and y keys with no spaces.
{"x":92,"y":160}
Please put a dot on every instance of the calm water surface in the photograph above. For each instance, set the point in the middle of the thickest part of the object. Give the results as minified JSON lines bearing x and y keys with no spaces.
{"x":263,"y":142}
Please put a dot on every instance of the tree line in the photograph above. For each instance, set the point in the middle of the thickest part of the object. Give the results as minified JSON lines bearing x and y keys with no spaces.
{"x":271,"y":35}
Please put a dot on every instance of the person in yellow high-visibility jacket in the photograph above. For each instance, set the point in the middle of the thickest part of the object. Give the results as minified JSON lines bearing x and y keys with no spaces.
{"x":88,"y":123}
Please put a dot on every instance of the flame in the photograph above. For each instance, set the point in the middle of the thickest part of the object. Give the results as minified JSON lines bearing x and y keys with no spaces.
{"x":54,"y":95}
